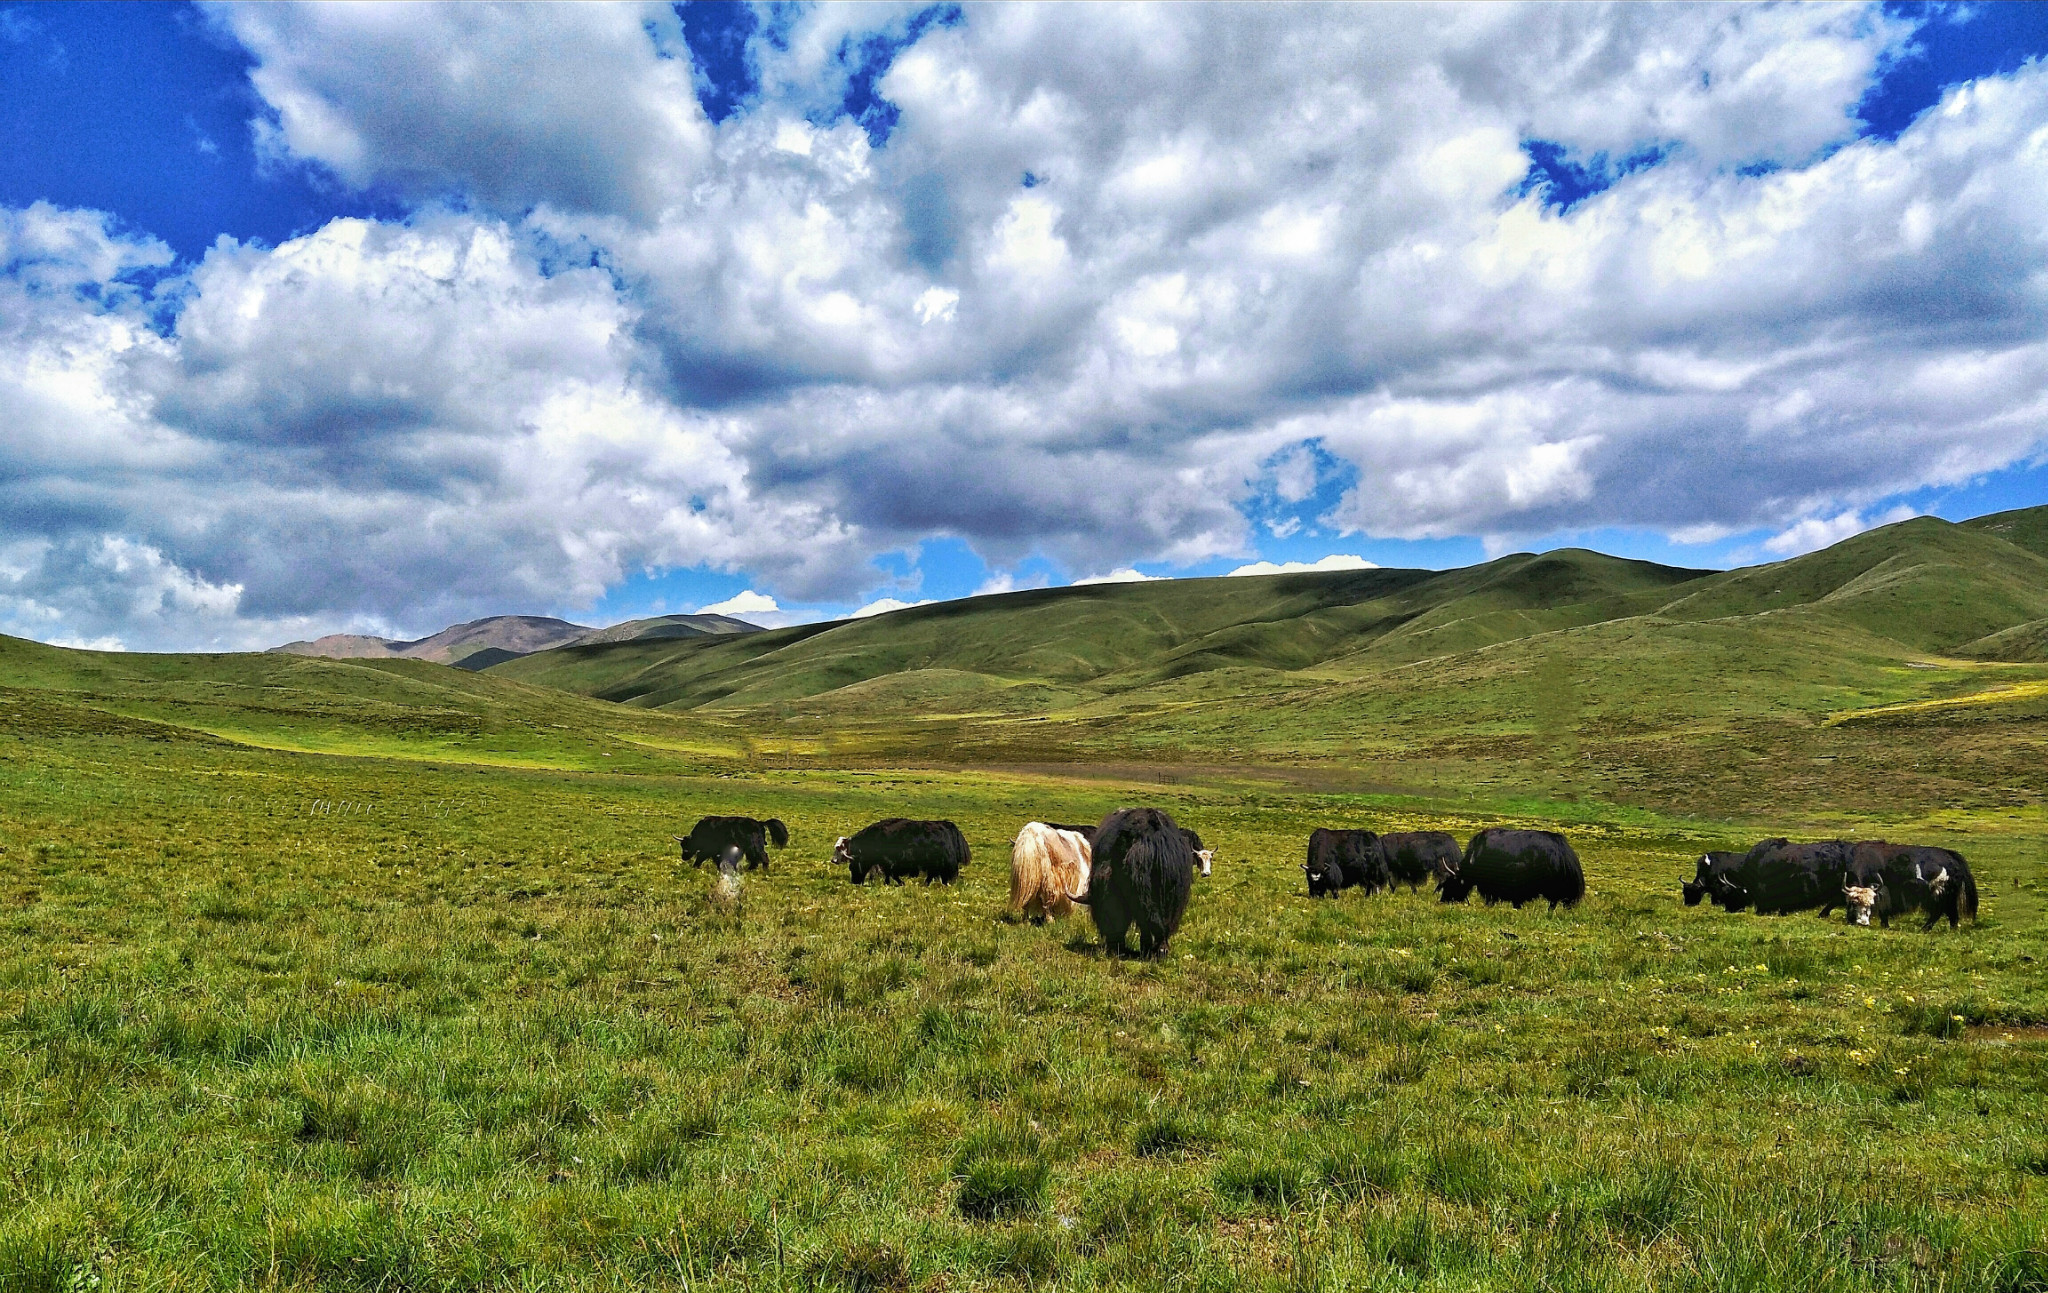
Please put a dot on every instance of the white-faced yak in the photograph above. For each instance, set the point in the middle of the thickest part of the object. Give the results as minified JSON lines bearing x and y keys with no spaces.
{"x":1514,"y":867}
{"x":712,"y":836}
{"x":896,"y":847}
{"x":1142,"y":874}
{"x":1887,"y":880}
{"x":1047,"y":866}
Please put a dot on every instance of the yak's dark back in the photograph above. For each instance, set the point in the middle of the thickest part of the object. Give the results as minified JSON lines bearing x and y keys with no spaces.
{"x":1781,"y":877}
{"x":1143,"y":873}
{"x":1509,"y":864}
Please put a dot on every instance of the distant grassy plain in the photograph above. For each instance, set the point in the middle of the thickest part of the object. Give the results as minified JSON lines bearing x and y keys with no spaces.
{"x":385,"y":976}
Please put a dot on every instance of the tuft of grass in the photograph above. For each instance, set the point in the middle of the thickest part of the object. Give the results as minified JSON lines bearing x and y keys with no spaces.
{"x":1353,"y":1165}
{"x":1002,"y":1172}
{"x":1168,"y":1131}
{"x":1461,"y":1170}
{"x":862,"y":1267}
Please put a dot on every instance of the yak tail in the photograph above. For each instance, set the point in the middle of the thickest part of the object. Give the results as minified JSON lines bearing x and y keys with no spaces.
{"x":777,"y":832}
{"x":1970,"y":896}
{"x":1026,"y":868}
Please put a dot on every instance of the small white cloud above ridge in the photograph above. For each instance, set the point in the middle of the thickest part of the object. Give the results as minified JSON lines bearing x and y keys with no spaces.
{"x":743,"y":604}
{"x":1815,"y":533}
{"x":882,"y":606}
{"x":1335,"y":561}
{"x":1124,"y":576}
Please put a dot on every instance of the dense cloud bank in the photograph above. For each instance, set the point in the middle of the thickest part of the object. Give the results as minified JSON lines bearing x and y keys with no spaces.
{"x":1118,"y":285}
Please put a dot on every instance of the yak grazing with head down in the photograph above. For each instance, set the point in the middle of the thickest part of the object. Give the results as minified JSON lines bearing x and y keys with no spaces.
{"x":1142,"y":874}
{"x":1048,"y":866}
{"x":1515,"y":867}
{"x":896,"y":847}
{"x":1343,"y":859}
{"x":712,"y":836}
{"x":1887,"y":880}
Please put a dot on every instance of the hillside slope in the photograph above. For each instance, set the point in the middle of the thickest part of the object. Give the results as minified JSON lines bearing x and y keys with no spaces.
{"x":409,"y":709}
{"x":1114,"y":638}
{"x":1903,"y":666}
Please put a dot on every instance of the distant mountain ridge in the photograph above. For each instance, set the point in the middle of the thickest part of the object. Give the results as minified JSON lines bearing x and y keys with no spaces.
{"x":495,"y":639}
{"x":1922,"y":587}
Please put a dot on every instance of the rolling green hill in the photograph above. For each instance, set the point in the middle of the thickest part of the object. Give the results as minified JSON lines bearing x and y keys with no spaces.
{"x":1922,"y":586}
{"x":393,"y":708}
{"x":1566,"y":673}
{"x":1571,"y":670}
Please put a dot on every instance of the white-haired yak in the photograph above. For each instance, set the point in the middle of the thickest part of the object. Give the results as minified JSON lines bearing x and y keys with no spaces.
{"x":1048,"y":866}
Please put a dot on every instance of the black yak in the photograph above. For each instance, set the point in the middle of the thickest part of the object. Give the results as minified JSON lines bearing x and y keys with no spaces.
{"x":712,"y":836}
{"x":1516,"y":866}
{"x":1777,"y":877}
{"x":1887,"y":880}
{"x":1343,"y":859}
{"x":1411,"y":857}
{"x":896,"y":847}
{"x":1713,"y":876}
{"x":1142,"y":874}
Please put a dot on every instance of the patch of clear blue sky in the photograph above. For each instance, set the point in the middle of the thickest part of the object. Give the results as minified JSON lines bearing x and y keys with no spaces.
{"x":143,"y":110}
{"x":717,"y":32}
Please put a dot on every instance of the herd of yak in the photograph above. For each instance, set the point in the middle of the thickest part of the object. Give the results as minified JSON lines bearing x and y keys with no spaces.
{"x":1136,"y":868}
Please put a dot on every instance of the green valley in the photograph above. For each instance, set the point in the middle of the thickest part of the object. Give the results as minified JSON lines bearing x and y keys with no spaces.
{"x":383,"y":974}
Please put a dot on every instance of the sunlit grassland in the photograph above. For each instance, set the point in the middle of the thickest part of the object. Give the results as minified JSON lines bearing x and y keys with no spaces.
{"x":274,"y":1019}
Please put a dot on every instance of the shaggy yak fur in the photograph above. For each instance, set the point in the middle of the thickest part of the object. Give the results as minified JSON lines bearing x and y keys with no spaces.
{"x":1897,"y":879}
{"x":1515,"y":867}
{"x":896,"y":847}
{"x":712,"y":836}
{"x":1047,"y":866}
{"x":1343,"y":859}
{"x":1411,"y":857}
{"x":1142,"y":874}
{"x":1779,"y":877}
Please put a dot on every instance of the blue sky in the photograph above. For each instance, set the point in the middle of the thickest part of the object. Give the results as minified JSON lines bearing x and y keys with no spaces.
{"x":317,"y":320}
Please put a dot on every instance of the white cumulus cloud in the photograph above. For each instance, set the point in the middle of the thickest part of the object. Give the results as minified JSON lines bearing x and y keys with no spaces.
{"x":1123,"y":576}
{"x":882,"y":606}
{"x":1265,"y":257}
{"x":1817,"y":532}
{"x":1335,"y":561}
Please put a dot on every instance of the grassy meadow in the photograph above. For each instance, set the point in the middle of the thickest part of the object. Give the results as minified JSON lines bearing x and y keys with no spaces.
{"x":385,"y":976}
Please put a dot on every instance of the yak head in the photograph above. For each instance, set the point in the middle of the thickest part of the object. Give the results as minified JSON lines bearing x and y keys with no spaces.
{"x":842,"y":855}
{"x":1203,"y":857}
{"x":1939,"y":881}
{"x":1323,"y":883}
{"x":1860,"y":901}
{"x":1451,"y":886}
{"x":1702,"y":880}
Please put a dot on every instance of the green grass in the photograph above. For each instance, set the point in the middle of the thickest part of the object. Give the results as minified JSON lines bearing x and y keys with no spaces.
{"x":383,"y":975}
{"x":297,"y":1020}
